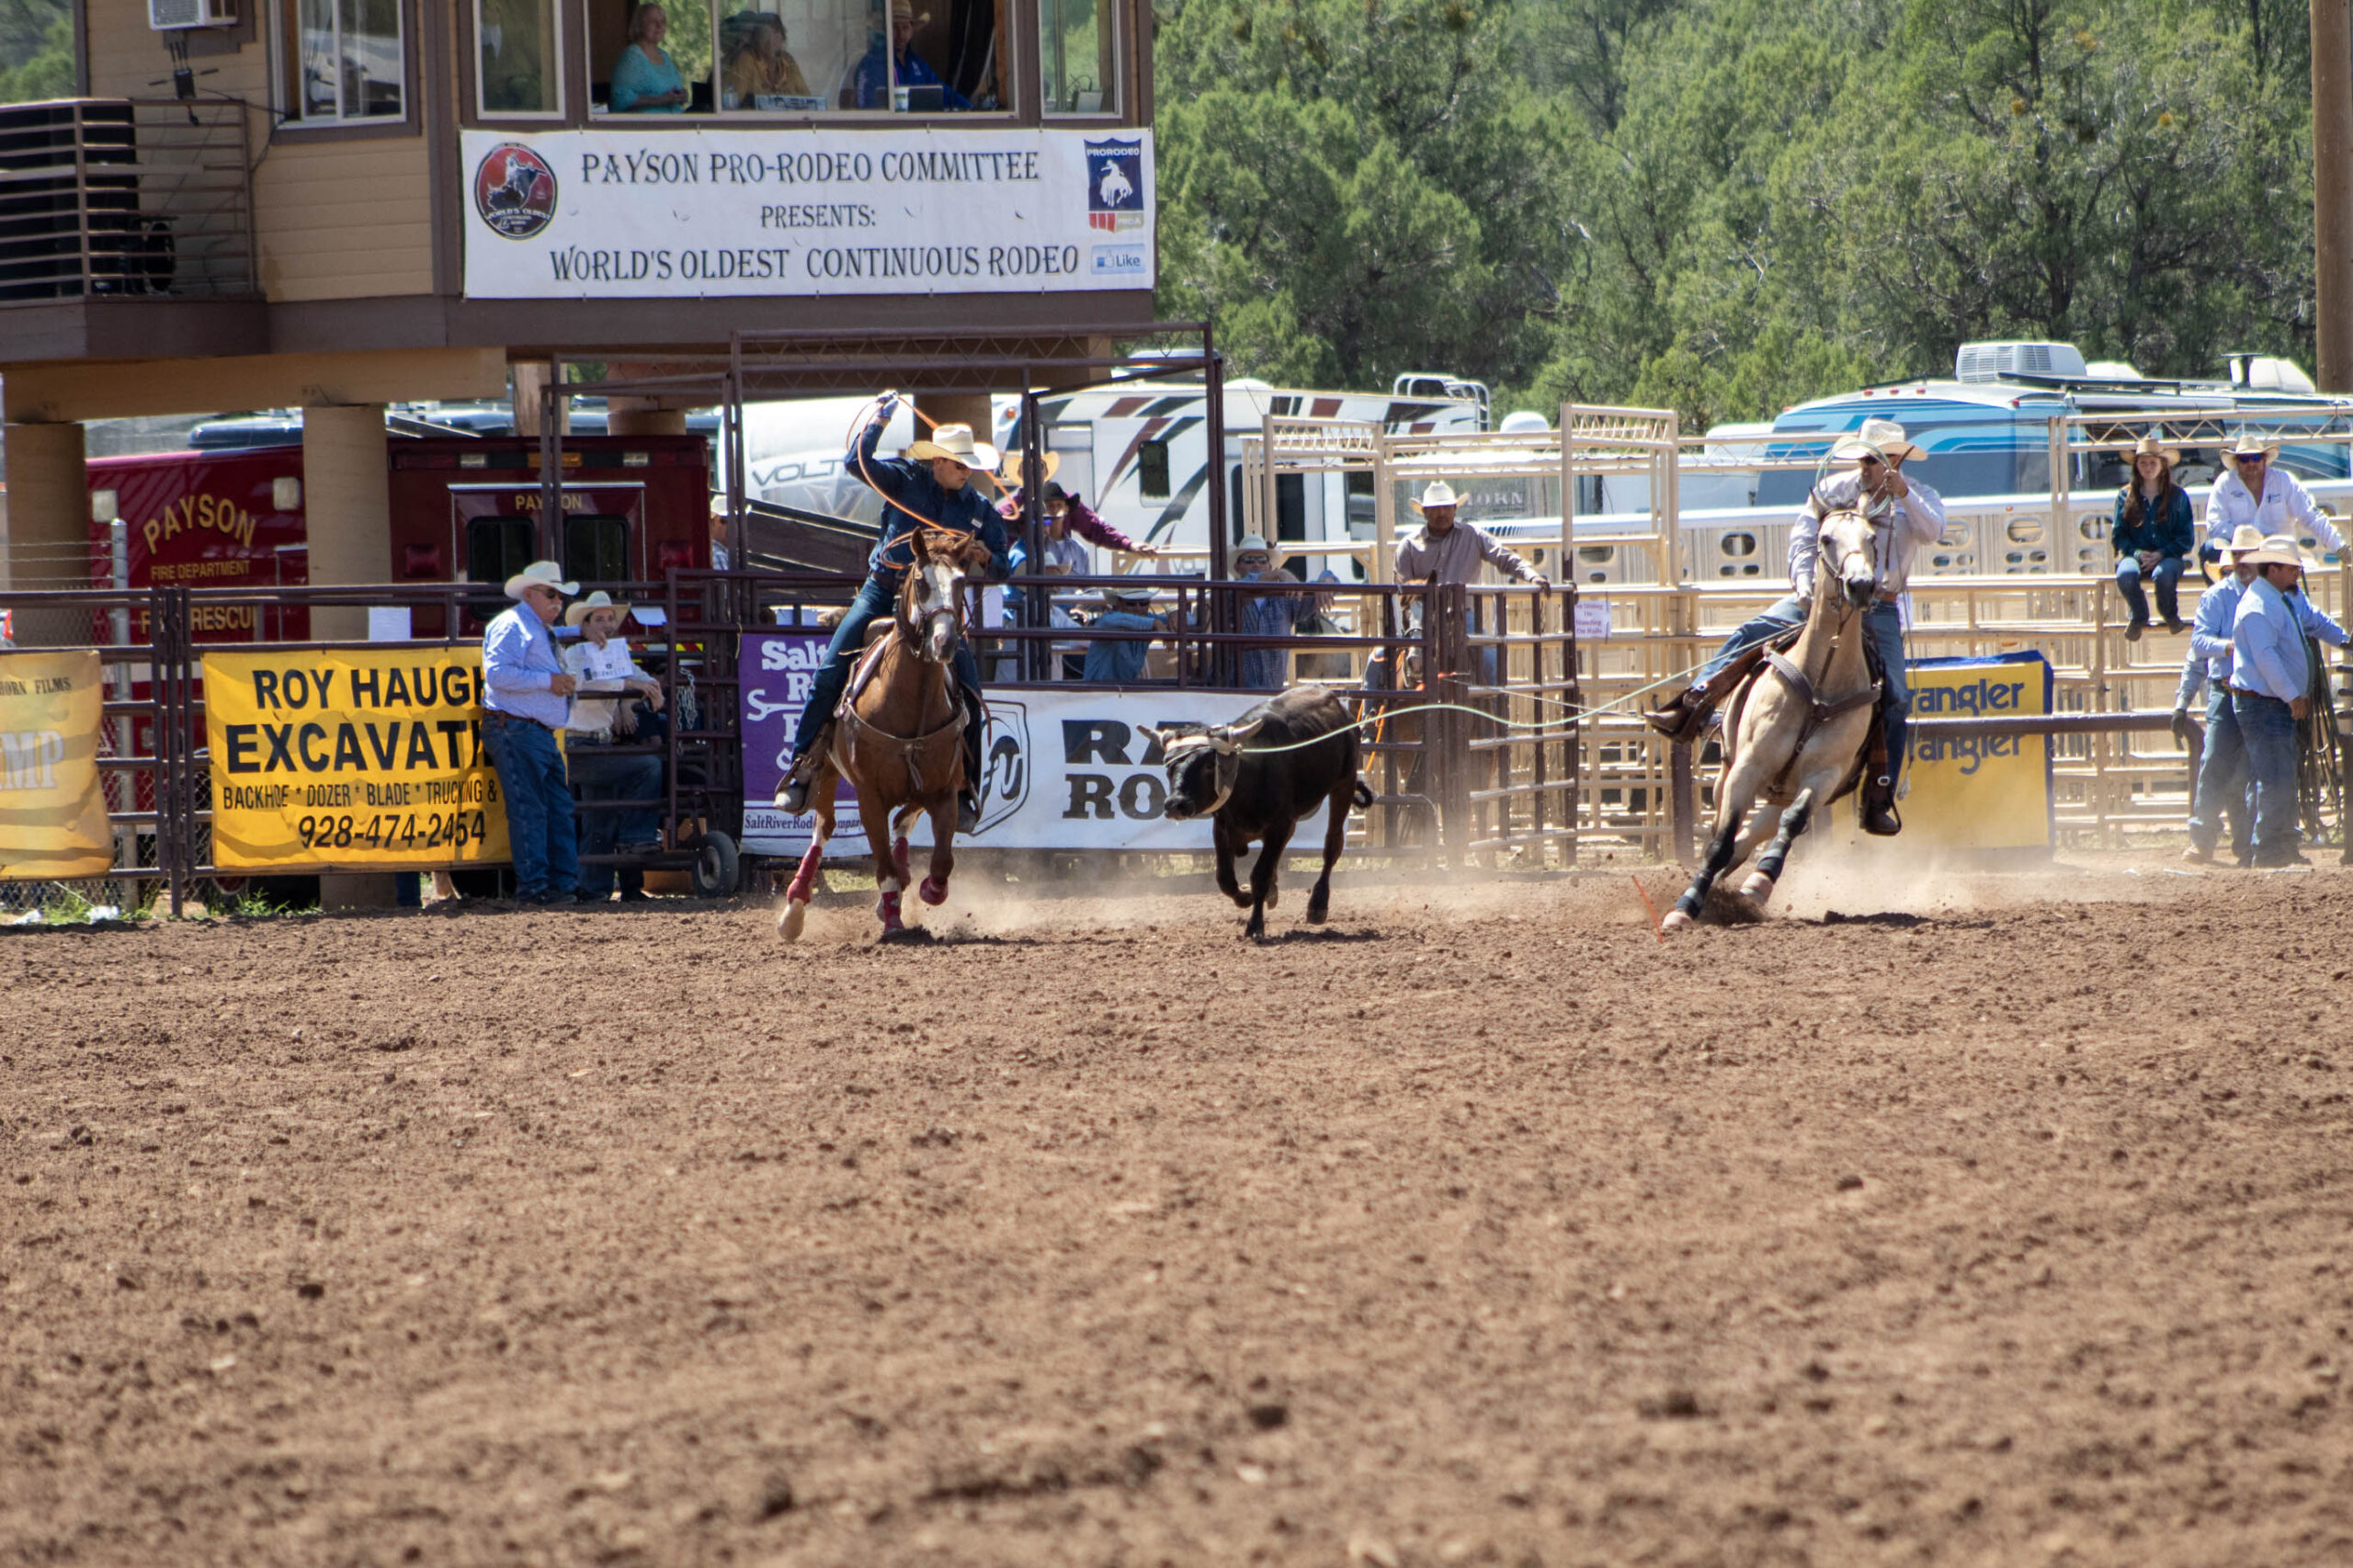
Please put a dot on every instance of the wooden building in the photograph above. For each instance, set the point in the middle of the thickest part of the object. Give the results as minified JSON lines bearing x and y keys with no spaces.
{"x":340,"y":203}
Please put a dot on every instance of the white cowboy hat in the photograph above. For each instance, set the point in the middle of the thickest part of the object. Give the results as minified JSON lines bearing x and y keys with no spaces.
{"x":1128,"y":593}
{"x":1886,"y":437}
{"x":1009,"y":473}
{"x":1440,"y":493}
{"x":2277,"y":549}
{"x":2248,"y":447}
{"x":599,"y":600}
{"x":541,"y":574}
{"x":955,"y":442}
{"x":2150,"y":446}
{"x":1852,"y":449}
{"x":2245,"y":541}
{"x":1258,"y":542}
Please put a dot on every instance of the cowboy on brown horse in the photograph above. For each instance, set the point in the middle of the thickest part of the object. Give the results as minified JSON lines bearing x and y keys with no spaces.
{"x":899,"y":736}
{"x":932,"y":490}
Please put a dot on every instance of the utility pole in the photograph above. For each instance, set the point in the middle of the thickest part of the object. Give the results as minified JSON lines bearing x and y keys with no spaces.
{"x":2331,"y":22}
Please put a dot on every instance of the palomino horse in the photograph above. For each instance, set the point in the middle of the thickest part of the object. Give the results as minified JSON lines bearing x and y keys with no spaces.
{"x":898,"y":736}
{"x":1796,"y":730}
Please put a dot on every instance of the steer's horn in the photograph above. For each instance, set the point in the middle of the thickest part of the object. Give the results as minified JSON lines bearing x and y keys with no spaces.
{"x":1229,"y":737}
{"x":1157,"y":737}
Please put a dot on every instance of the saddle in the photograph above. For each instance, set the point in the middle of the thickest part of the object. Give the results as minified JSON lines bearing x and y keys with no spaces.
{"x":1774,"y":655}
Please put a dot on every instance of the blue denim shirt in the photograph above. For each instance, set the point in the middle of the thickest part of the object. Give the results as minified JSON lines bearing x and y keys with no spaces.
{"x":874,"y":80}
{"x":2269,"y":640}
{"x":911,"y":485}
{"x":518,"y":661}
{"x":2209,"y":635}
{"x":1118,"y":663}
{"x":2166,"y":530}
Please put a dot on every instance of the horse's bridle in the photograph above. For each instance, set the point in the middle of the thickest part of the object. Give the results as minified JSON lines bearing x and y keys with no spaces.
{"x":915,"y":628}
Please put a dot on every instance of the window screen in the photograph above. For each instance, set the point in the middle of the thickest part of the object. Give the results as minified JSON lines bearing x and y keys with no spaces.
{"x":350,"y":59}
{"x":595,"y":549}
{"x":1151,"y":471}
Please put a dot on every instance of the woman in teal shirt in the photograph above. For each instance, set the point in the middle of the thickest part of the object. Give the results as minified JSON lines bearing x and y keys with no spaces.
{"x":645,"y":79}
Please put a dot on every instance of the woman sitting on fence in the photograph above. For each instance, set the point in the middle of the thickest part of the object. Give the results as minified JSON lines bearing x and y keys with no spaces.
{"x":2152,"y":534}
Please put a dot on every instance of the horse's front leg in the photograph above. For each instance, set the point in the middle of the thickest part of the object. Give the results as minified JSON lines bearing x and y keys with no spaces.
{"x":875,"y":814}
{"x":943,"y":850}
{"x":804,"y":881}
{"x":1759,"y":888}
{"x":1736,"y":789}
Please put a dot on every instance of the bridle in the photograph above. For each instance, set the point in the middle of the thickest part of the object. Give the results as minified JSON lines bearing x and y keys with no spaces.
{"x":932,"y":602}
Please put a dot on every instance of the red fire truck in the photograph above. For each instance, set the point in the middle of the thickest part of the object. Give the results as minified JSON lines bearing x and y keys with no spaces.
{"x":463,"y":510}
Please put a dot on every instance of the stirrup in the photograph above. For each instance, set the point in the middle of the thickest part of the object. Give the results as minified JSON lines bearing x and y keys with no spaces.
{"x":1681,"y":720}
{"x":968,"y":812}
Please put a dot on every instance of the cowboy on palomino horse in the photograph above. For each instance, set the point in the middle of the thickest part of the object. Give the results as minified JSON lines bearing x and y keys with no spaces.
{"x":1909,"y":515}
{"x":932,"y":490}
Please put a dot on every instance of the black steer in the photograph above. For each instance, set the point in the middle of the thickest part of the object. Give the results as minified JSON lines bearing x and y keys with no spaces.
{"x":1262,"y":792}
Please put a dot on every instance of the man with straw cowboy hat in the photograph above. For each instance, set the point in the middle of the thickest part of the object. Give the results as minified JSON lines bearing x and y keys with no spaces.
{"x":1872,"y":462}
{"x":2271,"y":681}
{"x":525,"y":698}
{"x":2258,"y":492}
{"x":878,"y":74}
{"x":2221,"y":755}
{"x":939,"y":484}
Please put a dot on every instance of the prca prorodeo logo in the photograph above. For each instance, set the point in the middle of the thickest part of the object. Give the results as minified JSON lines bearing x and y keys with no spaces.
{"x":1115,"y":184}
{"x":514,"y":190}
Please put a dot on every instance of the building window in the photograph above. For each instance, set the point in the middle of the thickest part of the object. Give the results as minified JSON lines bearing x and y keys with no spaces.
{"x":596,"y":548}
{"x":1079,"y":56}
{"x":799,"y":57}
{"x":352,"y":62}
{"x":515,"y":58}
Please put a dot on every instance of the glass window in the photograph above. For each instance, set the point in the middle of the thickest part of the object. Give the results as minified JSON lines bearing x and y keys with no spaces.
{"x":498,"y":547}
{"x":652,"y":59}
{"x":1078,"y":42}
{"x":515,"y":57}
{"x":351,"y":62}
{"x":1151,"y":470}
{"x":596,"y":548}
{"x":767,"y":63}
{"x":797,"y":56}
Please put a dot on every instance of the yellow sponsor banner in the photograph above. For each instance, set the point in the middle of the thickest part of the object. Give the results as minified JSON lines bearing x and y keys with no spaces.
{"x":350,"y":758}
{"x":52,"y":814}
{"x":1979,"y":792}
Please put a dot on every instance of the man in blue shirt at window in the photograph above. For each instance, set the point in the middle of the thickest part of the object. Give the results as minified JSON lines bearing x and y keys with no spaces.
{"x":2271,"y":687}
{"x":933,"y":486}
{"x":525,"y":698}
{"x":877,"y":75}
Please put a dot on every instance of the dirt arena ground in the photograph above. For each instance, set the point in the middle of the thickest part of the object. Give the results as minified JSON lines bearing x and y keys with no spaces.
{"x":1979,"y":1220}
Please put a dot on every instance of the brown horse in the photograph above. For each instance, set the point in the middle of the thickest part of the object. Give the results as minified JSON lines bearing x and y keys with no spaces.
{"x":898,"y":737}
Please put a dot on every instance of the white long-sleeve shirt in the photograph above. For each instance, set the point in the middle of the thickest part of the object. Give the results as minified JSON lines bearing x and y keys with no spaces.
{"x":1919,"y":519}
{"x":2285,"y":501}
{"x":593,"y":664}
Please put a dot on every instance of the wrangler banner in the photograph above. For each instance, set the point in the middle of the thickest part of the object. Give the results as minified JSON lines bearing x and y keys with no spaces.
{"x":360,"y":758}
{"x":1980,"y":791}
{"x":52,"y":816}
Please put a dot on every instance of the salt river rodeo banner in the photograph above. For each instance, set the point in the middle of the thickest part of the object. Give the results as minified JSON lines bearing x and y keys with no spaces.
{"x":353,"y":759}
{"x":632,"y":214}
{"x":1979,"y":792}
{"x":1062,"y":770}
{"x":52,"y":814}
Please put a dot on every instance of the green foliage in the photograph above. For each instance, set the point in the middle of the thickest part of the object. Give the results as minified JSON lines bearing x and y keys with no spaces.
{"x":39,"y":34}
{"x":1728,"y":206}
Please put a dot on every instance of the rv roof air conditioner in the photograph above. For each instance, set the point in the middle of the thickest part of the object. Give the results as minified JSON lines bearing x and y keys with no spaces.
{"x":1993,"y":361}
{"x":171,"y":16}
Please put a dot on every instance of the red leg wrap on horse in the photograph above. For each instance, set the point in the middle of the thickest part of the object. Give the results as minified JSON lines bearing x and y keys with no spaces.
{"x":933,"y":892}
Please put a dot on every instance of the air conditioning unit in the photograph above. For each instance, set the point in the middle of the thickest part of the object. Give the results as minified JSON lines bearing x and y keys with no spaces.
{"x":1993,"y":361}
{"x":170,"y":15}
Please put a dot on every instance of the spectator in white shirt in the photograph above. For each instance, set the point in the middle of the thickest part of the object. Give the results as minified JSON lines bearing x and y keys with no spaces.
{"x":2258,"y":493}
{"x":601,"y":660}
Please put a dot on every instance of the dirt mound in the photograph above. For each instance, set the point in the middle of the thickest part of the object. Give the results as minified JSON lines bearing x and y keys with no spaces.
{"x":2001,"y":1222}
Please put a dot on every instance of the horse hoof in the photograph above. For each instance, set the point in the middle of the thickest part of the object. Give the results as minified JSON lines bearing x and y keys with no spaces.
{"x":933,"y":892}
{"x":1676,"y":921}
{"x":795,"y":915}
{"x":887,"y":908}
{"x":899,"y":857}
{"x":1757,"y":889}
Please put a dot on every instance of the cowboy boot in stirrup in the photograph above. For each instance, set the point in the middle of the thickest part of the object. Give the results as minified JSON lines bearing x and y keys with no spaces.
{"x":794,"y":796}
{"x":1685,"y":718}
{"x":1879,"y":808}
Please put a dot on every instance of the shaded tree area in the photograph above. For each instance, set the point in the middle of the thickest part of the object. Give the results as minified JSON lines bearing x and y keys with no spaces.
{"x":1727,"y":206}
{"x":36,"y":42}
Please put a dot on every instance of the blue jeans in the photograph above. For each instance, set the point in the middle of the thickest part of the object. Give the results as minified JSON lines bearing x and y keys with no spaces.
{"x":877,"y":598}
{"x":2168,"y":573}
{"x":1885,"y":621}
{"x":601,"y":775}
{"x":2268,"y":727}
{"x":539,"y":833}
{"x":2221,"y":781}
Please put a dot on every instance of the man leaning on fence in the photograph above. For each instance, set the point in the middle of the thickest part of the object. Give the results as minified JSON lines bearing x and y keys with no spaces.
{"x":525,"y":700}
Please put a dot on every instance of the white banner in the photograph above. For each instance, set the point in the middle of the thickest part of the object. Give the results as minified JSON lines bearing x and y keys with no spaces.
{"x":1063,"y":770}
{"x":651,"y":213}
